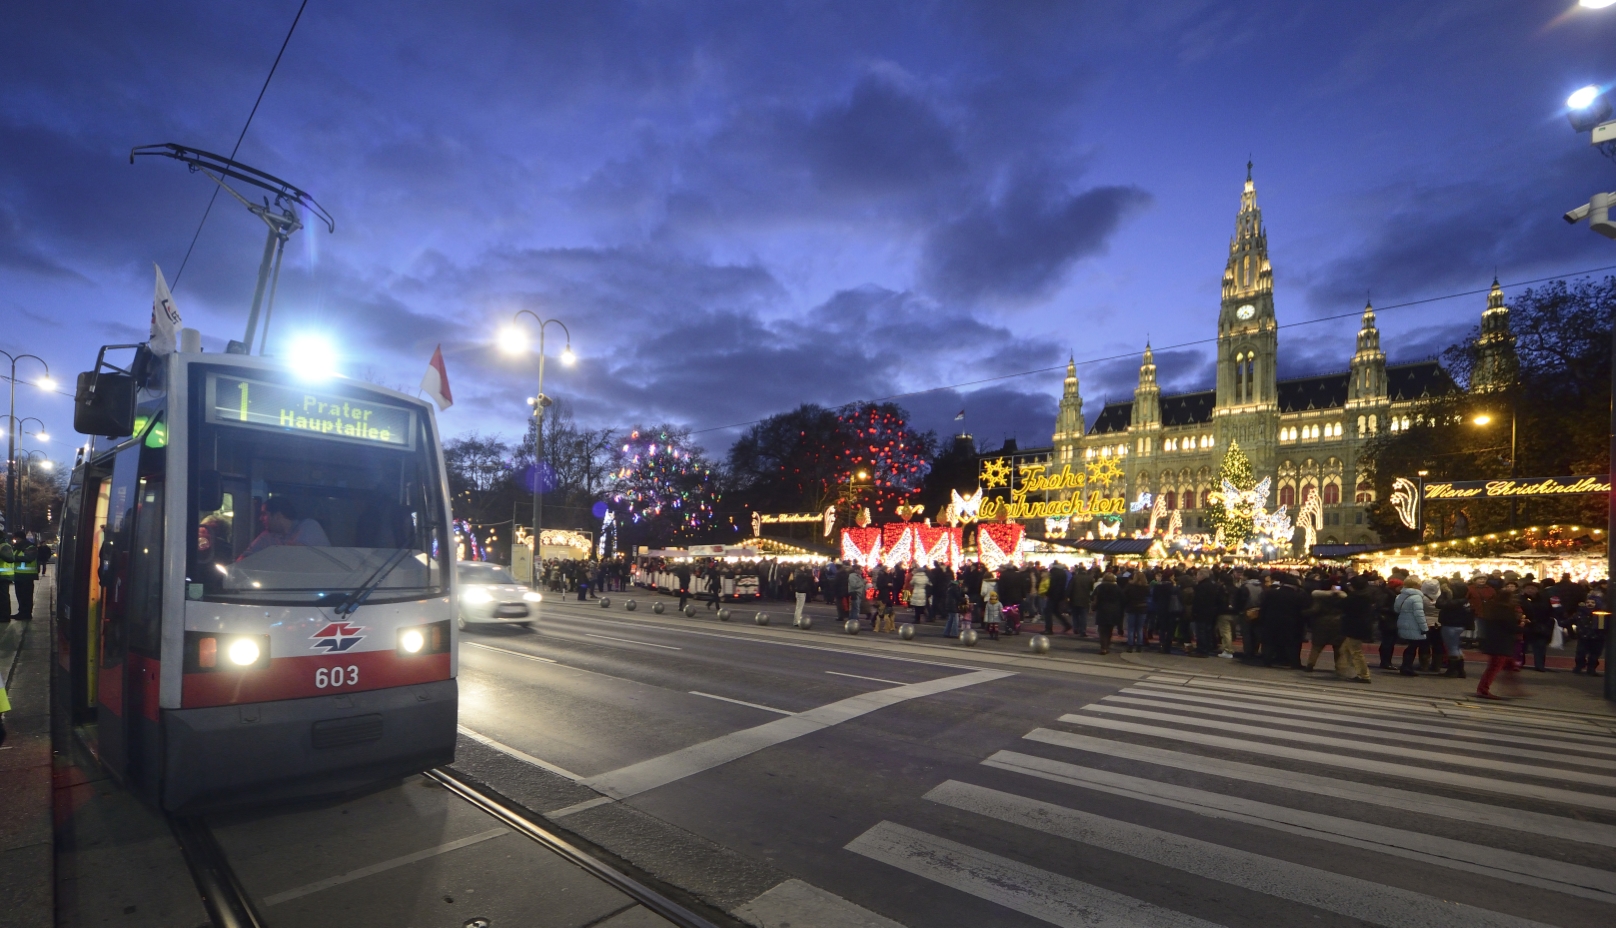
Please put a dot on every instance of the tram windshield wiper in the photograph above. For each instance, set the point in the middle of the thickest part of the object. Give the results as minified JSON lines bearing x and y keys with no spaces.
{"x":357,"y":598}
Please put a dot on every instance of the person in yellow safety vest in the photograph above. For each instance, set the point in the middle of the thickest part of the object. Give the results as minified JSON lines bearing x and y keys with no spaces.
{"x":5,"y":706}
{"x":25,"y":571}
{"x":7,"y":570}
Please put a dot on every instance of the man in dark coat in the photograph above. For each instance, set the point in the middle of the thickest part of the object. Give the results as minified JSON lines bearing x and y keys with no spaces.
{"x":1055,"y":604}
{"x":1281,"y":620}
{"x":1211,"y":600}
{"x":1107,"y":609}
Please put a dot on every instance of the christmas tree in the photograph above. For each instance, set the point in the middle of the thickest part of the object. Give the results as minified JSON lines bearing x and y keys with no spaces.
{"x":1234,"y":518}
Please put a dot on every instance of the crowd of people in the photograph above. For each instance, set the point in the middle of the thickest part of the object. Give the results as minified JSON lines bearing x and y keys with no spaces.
{"x":1277,"y":618}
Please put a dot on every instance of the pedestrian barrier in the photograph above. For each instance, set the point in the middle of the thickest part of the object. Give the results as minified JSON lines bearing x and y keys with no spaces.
{"x":631,"y":605}
{"x":762,"y":618}
{"x":906,"y":632}
{"x":851,"y":627}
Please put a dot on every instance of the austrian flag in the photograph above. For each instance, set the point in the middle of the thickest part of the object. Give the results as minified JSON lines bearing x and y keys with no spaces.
{"x":436,"y":382}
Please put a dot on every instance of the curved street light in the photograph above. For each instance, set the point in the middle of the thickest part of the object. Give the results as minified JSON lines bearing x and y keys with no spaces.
{"x":513,"y":340}
{"x":44,"y":383}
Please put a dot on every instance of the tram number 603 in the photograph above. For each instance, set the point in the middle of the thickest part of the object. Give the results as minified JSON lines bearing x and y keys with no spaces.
{"x":336,"y":676}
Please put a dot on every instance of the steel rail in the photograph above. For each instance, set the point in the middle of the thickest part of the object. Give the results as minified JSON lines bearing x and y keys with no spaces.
{"x":227,"y":901}
{"x":520,"y":823}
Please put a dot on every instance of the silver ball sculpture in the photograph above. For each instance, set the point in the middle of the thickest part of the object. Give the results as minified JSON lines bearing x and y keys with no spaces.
{"x":851,"y":626}
{"x":657,"y":608}
{"x":631,"y":605}
{"x":605,"y":602}
{"x":1038,"y":644}
{"x":723,"y":614}
{"x":690,"y":612}
{"x":968,"y":637}
{"x":906,"y":631}
{"x":806,"y":623}
{"x":762,"y":618}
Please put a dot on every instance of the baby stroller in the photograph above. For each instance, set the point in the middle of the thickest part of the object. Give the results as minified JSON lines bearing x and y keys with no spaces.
{"x":1012,"y":621}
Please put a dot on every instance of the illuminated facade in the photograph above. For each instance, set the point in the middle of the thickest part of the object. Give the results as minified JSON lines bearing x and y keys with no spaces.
{"x":1305,"y":433}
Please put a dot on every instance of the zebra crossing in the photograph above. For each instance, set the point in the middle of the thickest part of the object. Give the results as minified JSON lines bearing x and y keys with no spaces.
{"x":1279,"y":804}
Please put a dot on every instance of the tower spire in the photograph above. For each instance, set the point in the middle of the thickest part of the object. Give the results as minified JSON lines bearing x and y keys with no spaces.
{"x":1495,"y":347}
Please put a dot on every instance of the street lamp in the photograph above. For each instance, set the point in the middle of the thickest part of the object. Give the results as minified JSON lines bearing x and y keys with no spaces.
{"x":44,"y":383}
{"x":1484,"y":419}
{"x":513,"y":340}
{"x":1420,"y":510}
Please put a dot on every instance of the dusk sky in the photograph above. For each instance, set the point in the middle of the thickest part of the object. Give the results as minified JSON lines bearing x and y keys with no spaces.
{"x":740,"y":207}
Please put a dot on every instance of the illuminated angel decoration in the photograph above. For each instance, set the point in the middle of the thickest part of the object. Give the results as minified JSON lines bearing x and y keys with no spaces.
{"x":757,"y":525}
{"x":830,"y":519}
{"x":1174,"y":524}
{"x":964,"y":509}
{"x":1056,"y":526}
{"x":1109,"y":529}
{"x":1311,"y":518}
{"x":1157,"y":513}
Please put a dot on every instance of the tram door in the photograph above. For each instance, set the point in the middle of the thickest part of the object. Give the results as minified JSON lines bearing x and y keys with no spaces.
{"x":125,"y":612}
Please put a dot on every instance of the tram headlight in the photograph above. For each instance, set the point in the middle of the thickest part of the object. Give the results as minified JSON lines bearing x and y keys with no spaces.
{"x":418,"y":640}
{"x":243,"y":652}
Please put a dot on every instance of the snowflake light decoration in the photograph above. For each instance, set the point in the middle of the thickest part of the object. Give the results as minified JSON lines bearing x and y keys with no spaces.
{"x":995,"y":473}
{"x":1104,"y":471}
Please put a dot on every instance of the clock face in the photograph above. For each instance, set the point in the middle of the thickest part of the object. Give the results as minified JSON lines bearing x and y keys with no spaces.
{"x":1246,"y":311}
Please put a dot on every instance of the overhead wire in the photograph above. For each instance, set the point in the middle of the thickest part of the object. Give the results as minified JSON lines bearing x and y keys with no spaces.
{"x":267,"y":78}
{"x":1190,"y":344}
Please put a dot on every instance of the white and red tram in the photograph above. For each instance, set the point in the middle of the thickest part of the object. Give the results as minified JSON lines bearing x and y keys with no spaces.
{"x":255,"y":590}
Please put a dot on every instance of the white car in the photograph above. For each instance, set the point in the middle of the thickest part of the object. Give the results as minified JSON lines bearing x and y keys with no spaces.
{"x":488,"y":593}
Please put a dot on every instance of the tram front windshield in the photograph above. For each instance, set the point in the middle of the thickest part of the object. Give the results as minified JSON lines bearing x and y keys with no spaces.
{"x":294,"y":515}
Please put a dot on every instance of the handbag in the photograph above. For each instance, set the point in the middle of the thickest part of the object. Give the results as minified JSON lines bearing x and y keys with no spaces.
{"x":1558,"y":640}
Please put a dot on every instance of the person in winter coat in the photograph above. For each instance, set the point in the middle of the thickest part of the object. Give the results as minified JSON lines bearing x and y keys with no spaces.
{"x":1326,"y":632}
{"x":856,"y":585}
{"x":1281,"y":619}
{"x":1454,"y":619}
{"x":1079,"y":593}
{"x":1210,"y":602}
{"x":1591,"y":623}
{"x":950,"y":601}
{"x":1500,"y":627}
{"x":1107,"y":609}
{"x":918,"y":581}
{"x":1357,"y":627}
{"x":1410,"y":609}
{"x":1539,"y":628}
{"x":802,"y":584}
{"x":1250,"y":596}
{"x":1164,"y":610}
{"x":1135,"y":604}
{"x":1055,"y":602}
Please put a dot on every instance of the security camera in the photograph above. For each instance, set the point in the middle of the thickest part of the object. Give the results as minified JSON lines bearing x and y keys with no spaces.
{"x":1597,"y":212}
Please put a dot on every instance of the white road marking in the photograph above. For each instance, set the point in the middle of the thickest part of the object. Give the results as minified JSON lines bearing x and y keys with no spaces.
{"x":783,"y":643}
{"x":739,"y":702}
{"x":486,"y":647}
{"x":1572,"y":798}
{"x":797,"y":903}
{"x":382,"y":867}
{"x":1333,"y":892}
{"x":1313,"y":723}
{"x":1461,"y":810}
{"x":859,"y":676}
{"x":1379,"y":721}
{"x":579,"y":807}
{"x":658,"y":771}
{"x":1059,"y":900}
{"x":665,"y":647}
{"x":1559,"y":876}
{"x":519,"y":755}
{"x":1347,"y":744}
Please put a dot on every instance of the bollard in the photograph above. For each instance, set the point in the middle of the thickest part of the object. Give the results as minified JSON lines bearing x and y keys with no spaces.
{"x":605,"y":602}
{"x":968,"y":637}
{"x":631,"y":605}
{"x":1038,"y":644}
{"x":690,"y":612}
{"x":723,"y":614}
{"x":657,"y":608}
{"x":806,"y":623}
{"x":906,"y":631}
{"x":851,"y":626}
{"x":762,"y":618}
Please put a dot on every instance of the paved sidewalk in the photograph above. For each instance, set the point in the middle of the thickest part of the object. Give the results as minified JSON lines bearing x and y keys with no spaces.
{"x":27,"y":845}
{"x":1554,"y":690}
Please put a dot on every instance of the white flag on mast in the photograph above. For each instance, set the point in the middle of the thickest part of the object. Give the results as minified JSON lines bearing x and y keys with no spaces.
{"x":165,"y":318}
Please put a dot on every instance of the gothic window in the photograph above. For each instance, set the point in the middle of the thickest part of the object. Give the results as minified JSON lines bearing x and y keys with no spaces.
{"x":1362,"y":422}
{"x":1287,"y":496}
{"x":1307,"y":491}
{"x":1365,"y":492}
{"x":1172,"y":500}
{"x":1332,"y":494}
{"x":1239,"y":375}
{"x":1189,"y":499}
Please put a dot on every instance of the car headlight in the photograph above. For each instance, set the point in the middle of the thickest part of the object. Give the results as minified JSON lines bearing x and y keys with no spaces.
{"x":533,"y":597}
{"x":243,"y":652}
{"x":476,"y":596}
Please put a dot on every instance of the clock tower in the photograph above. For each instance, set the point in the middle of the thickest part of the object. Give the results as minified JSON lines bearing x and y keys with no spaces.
{"x":1246,"y":408}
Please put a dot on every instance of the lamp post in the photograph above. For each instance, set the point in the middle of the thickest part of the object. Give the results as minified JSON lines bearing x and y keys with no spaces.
{"x":514,"y":341}
{"x":44,"y":383}
{"x":1484,"y":419}
{"x":1419,"y":510}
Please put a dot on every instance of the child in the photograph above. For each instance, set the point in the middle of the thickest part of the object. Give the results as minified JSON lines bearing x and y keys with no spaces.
{"x":992,"y":615}
{"x":884,"y":621}
{"x":965,"y":612}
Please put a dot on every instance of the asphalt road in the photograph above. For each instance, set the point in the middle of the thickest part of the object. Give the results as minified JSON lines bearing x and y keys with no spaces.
{"x":935,"y":790}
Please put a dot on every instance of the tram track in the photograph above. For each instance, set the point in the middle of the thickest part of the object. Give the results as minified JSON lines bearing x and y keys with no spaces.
{"x":230,"y":905}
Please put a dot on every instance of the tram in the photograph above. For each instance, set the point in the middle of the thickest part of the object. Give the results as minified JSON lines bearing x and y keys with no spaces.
{"x":255,"y":589}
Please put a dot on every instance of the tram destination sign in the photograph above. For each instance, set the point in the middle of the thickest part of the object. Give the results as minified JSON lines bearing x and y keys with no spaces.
{"x":237,"y":400}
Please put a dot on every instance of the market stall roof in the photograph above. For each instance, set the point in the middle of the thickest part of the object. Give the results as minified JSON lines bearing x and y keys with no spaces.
{"x":771,"y":546}
{"x":1328,"y":551}
{"x":1115,"y":545}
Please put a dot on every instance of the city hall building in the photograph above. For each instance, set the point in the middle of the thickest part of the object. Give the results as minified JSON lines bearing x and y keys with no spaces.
{"x":1306,"y":434}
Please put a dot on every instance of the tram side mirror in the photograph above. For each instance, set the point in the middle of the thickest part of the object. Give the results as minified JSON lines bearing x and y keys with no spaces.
{"x":209,"y":491}
{"x":104,"y":404}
